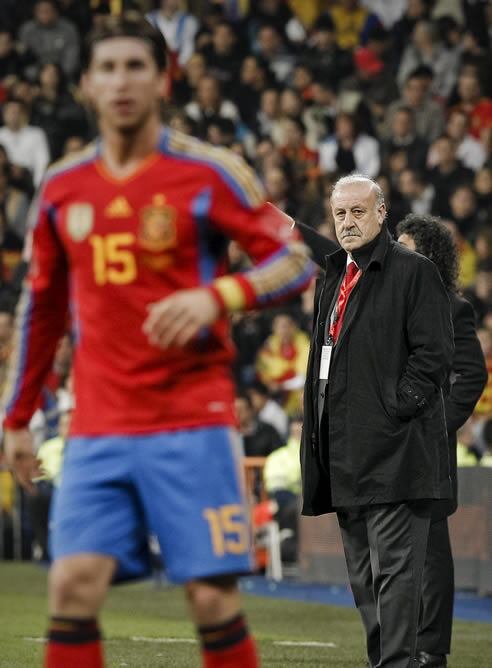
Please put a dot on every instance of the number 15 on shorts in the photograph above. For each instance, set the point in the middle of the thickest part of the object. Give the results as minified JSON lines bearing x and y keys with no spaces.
{"x":229,"y":532}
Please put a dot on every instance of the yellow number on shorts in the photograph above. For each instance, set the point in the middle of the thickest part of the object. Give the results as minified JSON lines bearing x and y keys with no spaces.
{"x":228,"y":530}
{"x":111,"y":261}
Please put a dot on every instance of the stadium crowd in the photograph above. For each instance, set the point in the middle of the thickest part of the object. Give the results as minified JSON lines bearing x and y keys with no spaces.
{"x":305,"y":91}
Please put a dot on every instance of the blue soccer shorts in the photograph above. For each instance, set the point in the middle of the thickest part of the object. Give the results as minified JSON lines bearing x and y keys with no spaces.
{"x":185,"y":487}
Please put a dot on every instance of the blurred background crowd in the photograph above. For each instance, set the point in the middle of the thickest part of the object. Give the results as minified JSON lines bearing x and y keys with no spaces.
{"x":305,"y":91}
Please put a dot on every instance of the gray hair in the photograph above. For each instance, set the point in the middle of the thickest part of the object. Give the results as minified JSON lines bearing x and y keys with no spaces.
{"x":356,"y":177}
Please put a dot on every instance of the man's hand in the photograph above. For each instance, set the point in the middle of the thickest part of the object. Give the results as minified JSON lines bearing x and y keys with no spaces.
{"x":20,"y":457}
{"x":175,"y":320}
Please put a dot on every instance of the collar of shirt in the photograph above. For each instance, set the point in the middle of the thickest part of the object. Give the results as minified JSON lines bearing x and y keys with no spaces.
{"x":362,"y":256}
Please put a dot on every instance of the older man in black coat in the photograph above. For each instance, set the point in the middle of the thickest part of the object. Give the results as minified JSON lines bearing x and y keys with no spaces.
{"x":374,"y":446}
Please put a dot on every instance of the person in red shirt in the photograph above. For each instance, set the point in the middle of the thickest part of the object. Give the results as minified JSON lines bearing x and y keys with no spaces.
{"x":132,"y":234}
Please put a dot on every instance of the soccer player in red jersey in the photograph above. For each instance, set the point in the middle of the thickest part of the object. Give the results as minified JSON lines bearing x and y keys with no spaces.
{"x":131,"y":233}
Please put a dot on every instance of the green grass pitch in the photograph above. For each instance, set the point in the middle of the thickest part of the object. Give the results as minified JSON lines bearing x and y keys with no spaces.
{"x":147,"y":628}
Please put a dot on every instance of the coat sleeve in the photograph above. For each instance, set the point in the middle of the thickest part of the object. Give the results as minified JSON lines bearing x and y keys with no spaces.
{"x":429,"y":335}
{"x":319,"y":245}
{"x":469,"y":372}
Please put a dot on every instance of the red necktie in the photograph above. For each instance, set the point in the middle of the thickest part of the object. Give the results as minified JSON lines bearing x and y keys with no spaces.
{"x":350,"y":279}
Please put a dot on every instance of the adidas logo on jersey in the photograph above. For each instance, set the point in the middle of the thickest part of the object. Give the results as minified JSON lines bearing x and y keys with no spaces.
{"x":118,"y":208}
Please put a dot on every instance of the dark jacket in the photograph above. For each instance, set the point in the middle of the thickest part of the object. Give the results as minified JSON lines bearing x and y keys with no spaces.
{"x":383,"y":437}
{"x":468,"y":378}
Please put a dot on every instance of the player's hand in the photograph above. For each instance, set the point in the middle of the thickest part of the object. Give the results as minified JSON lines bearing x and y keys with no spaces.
{"x":175,"y":320}
{"x":20,"y":457}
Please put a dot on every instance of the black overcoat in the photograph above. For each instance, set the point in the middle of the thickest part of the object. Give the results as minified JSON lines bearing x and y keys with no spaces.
{"x":383,"y":435}
{"x":468,"y":379}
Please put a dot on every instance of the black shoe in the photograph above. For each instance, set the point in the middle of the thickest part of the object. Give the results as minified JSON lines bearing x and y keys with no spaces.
{"x":434,"y":660}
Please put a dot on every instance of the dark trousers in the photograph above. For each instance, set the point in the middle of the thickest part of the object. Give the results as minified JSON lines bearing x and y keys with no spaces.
{"x":436,"y":613}
{"x":385,"y":548}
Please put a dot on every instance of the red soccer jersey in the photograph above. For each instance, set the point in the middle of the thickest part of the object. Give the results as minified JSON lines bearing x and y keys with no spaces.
{"x":109,"y":247}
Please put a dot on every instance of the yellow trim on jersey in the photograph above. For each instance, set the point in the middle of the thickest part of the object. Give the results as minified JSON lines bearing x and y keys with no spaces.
{"x":231,"y":292}
{"x":69,"y":161}
{"x":224,"y":159}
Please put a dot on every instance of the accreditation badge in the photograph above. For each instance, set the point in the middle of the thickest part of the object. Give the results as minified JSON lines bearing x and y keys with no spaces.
{"x":80,"y":220}
{"x":324,"y":367}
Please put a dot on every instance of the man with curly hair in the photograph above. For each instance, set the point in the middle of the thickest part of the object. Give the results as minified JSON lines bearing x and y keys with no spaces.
{"x":429,"y":237}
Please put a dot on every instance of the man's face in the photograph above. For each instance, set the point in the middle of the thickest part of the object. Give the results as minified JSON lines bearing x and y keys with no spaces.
{"x":123,"y":83}
{"x":402,"y":124}
{"x":407,"y":241}
{"x":45,"y":13}
{"x":5,"y":44}
{"x":357,"y":218}
{"x":414,"y":92}
{"x":13,"y":115}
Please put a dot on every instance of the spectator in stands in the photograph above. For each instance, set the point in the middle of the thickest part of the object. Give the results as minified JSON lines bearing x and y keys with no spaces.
{"x":278,"y":15}
{"x":179,"y":29}
{"x":51,"y":38}
{"x":447,"y":175}
{"x":26,"y":145}
{"x":273,"y":50}
{"x":209,"y":104}
{"x":426,"y":48}
{"x":483,"y":190}
{"x":282,"y":480}
{"x":416,"y":192}
{"x":415,"y":11}
{"x":11,"y":61}
{"x":302,"y":81}
{"x":472,"y":102}
{"x":304,"y":161}
{"x":184,"y":89}
{"x":222,"y":56}
{"x":403,"y":138}
{"x":349,"y":150}
{"x":429,"y":117}
{"x":319,"y":117}
{"x":253,"y":79}
{"x":259,"y":438}
{"x":267,"y":409}
{"x":373,"y":81}
{"x":281,"y":362}
{"x":322,"y":54}
{"x":267,"y":121}
{"x":349,"y":19}
{"x":280,"y":190}
{"x":14,"y":206}
{"x":55,"y":110}
{"x":467,"y":257}
{"x":463,"y":207}
{"x":468,"y":149}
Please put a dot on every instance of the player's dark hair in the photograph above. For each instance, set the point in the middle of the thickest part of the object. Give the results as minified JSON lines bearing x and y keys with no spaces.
{"x":433,"y":239}
{"x":129,"y":24}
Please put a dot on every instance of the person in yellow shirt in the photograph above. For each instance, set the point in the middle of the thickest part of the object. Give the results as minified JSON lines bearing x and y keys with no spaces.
{"x":349,"y":18}
{"x":281,"y":362}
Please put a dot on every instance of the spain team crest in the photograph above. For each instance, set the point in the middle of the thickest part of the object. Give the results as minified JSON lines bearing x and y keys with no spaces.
{"x":80,"y":220}
{"x":157,"y":226}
